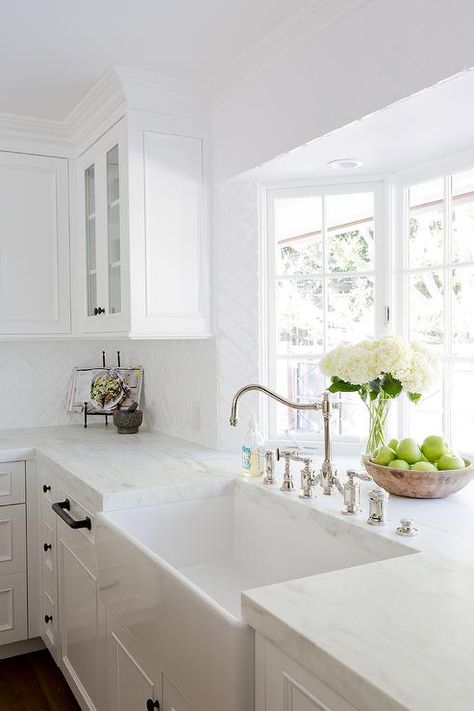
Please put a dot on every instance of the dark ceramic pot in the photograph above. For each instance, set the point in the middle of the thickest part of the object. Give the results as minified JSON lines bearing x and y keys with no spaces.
{"x":128,"y":422}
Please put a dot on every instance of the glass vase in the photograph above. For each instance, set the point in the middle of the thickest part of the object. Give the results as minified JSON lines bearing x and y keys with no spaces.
{"x":378,"y":413}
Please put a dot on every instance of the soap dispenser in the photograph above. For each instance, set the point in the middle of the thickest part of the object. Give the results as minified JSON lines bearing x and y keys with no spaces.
{"x":253,"y":451}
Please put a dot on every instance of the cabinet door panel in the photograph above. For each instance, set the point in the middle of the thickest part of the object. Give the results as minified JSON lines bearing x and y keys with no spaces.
{"x":132,"y":678}
{"x":12,"y":483}
{"x":13,"y":608}
{"x":34,"y":244}
{"x":173,"y":700}
{"x":79,"y":616}
{"x":289,"y":687}
{"x":12,"y":539}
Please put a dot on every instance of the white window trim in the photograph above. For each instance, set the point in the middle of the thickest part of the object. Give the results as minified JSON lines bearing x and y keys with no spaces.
{"x":399,"y":185}
{"x":382,"y":275}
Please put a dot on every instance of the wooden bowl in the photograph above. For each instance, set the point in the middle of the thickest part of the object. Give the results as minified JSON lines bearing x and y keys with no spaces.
{"x":419,"y":485}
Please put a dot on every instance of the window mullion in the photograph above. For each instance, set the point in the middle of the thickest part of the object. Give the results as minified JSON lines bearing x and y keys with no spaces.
{"x":325,"y":270}
{"x":447,"y":303}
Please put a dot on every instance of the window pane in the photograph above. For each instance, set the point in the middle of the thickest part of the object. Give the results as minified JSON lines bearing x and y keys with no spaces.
{"x":462,"y":313}
{"x":463,"y":217}
{"x":462,"y":415}
{"x":298,"y":223}
{"x":299,"y":315}
{"x":91,"y":276}
{"x":350,"y":228}
{"x":302,"y":381}
{"x":426,"y":417}
{"x":426,"y":224}
{"x":351,"y":309}
{"x":426,"y":308}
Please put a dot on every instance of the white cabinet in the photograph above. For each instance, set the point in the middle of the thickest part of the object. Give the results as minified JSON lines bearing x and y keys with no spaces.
{"x":34,"y":245}
{"x":80,"y":618}
{"x":13,"y":575}
{"x":103,"y":301}
{"x":143,"y":237}
{"x":133,"y":682}
{"x":283,"y":685}
{"x":72,"y":617}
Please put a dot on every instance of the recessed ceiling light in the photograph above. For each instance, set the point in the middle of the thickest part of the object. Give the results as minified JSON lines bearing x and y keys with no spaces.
{"x":344,"y":163}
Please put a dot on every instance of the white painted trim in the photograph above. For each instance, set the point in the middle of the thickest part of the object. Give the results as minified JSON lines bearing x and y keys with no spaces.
{"x":383,"y":286}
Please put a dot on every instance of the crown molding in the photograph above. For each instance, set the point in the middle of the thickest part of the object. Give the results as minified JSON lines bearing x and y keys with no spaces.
{"x":303,"y":26}
{"x":118,"y":90}
{"x":105,"y":99}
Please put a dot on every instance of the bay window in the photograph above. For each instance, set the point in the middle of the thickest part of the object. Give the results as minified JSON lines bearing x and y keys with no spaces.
{"x":335,"y":272}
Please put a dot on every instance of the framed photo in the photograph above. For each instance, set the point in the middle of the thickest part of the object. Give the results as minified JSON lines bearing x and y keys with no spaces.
{"x":103,"y":390}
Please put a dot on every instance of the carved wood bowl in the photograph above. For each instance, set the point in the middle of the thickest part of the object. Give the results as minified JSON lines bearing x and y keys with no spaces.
{"x":419,"y":485}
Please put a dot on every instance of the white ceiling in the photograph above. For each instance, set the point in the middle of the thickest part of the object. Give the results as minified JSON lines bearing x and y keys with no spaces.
{"x":433,"y":123}
{"x":52,"y":51}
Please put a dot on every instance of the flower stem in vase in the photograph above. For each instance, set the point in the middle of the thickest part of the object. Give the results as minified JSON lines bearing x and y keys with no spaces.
{"x":378,"y":413}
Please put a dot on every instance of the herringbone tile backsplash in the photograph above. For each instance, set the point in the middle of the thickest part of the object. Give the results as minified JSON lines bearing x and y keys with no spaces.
{"x":178,"y":374}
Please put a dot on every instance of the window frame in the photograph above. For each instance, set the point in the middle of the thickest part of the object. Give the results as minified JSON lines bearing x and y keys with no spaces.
{"x":382,"y":268}
{"x":400,"y":184}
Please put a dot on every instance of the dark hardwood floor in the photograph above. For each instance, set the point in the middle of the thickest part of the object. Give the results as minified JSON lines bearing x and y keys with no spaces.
{"x":33,"y":681}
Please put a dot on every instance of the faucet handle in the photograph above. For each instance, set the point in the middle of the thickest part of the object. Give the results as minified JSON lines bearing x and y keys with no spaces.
{"x":353,"y":474}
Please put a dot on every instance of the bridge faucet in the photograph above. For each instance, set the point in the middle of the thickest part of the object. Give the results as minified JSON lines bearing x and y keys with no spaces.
{"x":327,"y":477}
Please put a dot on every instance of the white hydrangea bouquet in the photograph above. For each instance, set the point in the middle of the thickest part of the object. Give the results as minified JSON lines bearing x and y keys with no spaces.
{"x":380,"y":370}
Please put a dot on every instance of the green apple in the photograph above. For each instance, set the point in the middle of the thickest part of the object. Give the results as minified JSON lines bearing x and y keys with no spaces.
{"x":399,"y":464}
{"x":434,"y":447}
{"x":447,"y":461}
{"x":393,"y":444}
{"x":384,"y":455}
{"x":423,"y":467}
{"x":409,"y":451}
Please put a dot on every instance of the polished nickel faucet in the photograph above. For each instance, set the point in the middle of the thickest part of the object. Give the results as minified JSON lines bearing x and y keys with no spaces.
{"x":327,"y":476}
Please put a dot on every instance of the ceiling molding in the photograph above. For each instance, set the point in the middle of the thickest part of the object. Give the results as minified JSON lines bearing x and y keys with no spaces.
{"x":305,"y":25}
{"x":104,"y":99}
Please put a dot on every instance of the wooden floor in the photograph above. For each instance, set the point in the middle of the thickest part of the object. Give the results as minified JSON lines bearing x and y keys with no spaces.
{"x":33,"y":681}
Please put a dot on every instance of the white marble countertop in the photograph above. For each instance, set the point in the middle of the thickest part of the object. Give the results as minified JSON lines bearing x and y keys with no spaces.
{"x":391,"y":635}
{"x":118,"y":471}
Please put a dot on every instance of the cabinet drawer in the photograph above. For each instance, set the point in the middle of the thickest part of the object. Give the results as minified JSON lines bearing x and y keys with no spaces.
{"x":12,"y":483}
{"x":12,"y":539}
{"x":13,"y":609}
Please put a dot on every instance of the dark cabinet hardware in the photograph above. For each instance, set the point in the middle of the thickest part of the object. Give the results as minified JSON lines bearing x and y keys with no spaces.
{"x":62,"y":508}
{"x":46,"y":488}
{"x":150,"y":705}
{"x":98,"y":310}
{"x":47,"y":547}
{"x":48,"y":618}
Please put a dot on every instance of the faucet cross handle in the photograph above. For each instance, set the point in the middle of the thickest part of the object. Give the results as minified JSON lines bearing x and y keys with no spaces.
{"x":308,"y":480}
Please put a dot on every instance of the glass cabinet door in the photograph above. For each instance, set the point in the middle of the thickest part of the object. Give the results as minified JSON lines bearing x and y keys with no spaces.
{"x":91,"y":253}
{"x":113,"y":231}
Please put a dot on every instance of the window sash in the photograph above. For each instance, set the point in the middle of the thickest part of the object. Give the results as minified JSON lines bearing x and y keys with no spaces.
{"x":382,"y":284}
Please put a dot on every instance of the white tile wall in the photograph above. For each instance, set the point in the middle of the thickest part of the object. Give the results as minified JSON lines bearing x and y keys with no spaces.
{"x":188,"y":385}
{"x":236,"y":264}
{"x":179,"y":375}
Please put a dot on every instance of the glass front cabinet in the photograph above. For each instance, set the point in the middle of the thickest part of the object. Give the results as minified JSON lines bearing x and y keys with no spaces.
{"x":101,"y":212}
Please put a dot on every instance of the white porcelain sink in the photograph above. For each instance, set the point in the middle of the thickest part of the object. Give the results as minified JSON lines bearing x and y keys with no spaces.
{"x":174,"y":572}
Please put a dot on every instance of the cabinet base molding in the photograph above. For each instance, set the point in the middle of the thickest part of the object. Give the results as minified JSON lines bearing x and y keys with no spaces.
{"x":15,"y":649}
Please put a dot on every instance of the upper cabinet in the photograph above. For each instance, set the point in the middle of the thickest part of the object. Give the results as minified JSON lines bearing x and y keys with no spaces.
{"x":34,"y":245}
{"x":102,"y":289}
{"x":143,"y":247}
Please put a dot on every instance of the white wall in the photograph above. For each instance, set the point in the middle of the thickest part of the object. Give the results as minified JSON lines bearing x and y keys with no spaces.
{"x":236,"y":266}
{"x":177,"y":374}
{"x":379,"y":54}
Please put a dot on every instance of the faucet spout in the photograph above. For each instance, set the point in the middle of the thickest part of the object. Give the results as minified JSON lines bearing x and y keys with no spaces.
{"x":234,"y":410}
